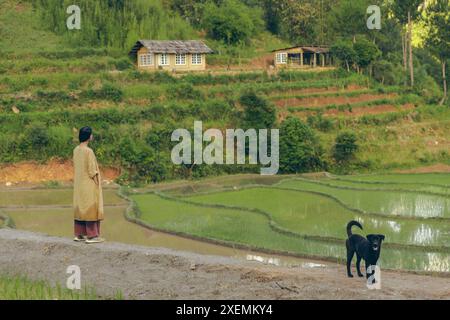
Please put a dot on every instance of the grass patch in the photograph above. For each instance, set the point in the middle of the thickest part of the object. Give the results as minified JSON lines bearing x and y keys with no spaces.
{"x":22,"y":288}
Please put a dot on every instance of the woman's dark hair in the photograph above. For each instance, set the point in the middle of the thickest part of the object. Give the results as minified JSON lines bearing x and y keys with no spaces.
{"x":85,"y":134}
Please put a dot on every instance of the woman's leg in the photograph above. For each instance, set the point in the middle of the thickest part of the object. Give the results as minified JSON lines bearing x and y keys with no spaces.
{"x":92,"y":229}
{"x":80,"y":228}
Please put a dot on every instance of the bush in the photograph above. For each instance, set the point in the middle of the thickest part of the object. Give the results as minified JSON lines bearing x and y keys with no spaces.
{"x":38,"y":136}
{"x":60,"y":141}
{"x":183,"y":91}
{"x":141,"y":160}
{"x":231,"y":22}
{"x":345,"y":147}
{"x":218,"y":110}
{"x":258,"y":112}
{"x":300,"y":149}
{"x":344,"y":52}
{"x":107,"y":92}
{"x":387,"y":73}
{"x":123,"y":64}
{"x":320,"y":123}
{"x":54,"y":96}
{"x":426,"y":87}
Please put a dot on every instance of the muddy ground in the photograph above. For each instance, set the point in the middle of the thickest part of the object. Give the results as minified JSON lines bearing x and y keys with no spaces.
{"x":158,"y":273}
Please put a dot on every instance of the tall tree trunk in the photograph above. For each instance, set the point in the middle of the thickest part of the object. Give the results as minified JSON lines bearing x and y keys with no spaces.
{"x":444,"y":82}
{"x":411,"y":65}
{"x":404,"y":46}
{"x":404,"y":51}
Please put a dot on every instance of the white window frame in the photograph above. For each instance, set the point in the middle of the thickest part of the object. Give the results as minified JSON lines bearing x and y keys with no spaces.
{"x":180,"y":59}
{"x":163,"y":59}
{"x":197,"y":58}
{"x":146,"y":59}
{"x":281,"y":57}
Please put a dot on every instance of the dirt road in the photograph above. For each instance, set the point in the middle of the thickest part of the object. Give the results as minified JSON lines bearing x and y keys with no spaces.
{"x":158,"y":273}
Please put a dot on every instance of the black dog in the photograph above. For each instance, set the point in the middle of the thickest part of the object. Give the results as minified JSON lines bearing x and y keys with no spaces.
{"x":368,"y":249}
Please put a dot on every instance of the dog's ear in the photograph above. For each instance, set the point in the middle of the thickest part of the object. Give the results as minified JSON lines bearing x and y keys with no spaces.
{"x":370,"y":237}
{"x":381,"y":236}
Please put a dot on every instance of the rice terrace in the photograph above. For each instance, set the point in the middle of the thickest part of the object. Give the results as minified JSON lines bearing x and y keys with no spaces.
{"x":363,"y":120}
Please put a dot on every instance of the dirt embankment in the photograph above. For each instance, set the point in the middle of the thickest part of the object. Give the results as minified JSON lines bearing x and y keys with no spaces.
{"x":316,"y":102}
{"x":435,"y":168}
{"x":156,"y":273}
{"x":54,"y":170}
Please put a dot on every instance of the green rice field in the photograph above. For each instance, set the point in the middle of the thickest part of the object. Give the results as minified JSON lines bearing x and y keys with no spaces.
{"x":282,"y":216}
{"x":307,"y":217}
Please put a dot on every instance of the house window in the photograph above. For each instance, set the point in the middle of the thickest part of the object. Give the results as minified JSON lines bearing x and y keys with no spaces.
{"x":196,"y":58}
{"x":282,"y":58}
{"x":164,"y":59}
{"x":180,"y":58}
{"x":146,"y":59}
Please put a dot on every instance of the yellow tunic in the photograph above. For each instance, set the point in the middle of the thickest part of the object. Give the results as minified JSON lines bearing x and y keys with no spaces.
{"x":87,"y":195}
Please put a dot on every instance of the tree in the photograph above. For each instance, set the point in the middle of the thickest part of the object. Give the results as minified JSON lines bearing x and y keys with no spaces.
{"x":348,"y":18}
{"x":231,"y":21}
{"x":343,"y":50}
{"x":299,"y":19}
{"x":345,"y":147}
{"x":361,"y":53}
{"x":300,"y":149}
{"x":407,"y":11}
{"x":437,"y":20}
{"x":258,"y":112}
{"x":366,"y":53}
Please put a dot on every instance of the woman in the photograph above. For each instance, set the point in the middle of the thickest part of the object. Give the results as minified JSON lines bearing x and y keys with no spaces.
{"x":87,"y":195}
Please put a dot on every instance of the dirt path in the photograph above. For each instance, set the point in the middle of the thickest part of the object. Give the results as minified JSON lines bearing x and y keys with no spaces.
{"x":157,"y":273}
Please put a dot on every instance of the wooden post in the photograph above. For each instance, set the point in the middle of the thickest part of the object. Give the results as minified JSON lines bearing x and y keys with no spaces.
{"x":301,"y":59}
{"x":323,"y":60}
{"x":315,"y":60}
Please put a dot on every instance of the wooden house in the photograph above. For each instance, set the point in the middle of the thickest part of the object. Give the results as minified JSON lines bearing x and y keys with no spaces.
{"x":173,"y":55}
{"x":302,"y":56}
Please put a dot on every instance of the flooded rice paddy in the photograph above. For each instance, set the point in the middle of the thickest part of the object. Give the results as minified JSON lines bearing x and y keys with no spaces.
{"x":291,"y":215}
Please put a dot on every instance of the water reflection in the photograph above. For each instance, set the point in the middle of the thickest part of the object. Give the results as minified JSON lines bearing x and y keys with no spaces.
{"x":416,"y":206}
{"x":424,"y":235}
{"x":278,"y":262}
{"x":395,"y":226}
{"x":265,"y":260}
{"x":437,"y":263}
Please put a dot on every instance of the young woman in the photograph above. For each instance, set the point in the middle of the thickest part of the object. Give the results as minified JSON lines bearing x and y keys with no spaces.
{"x":87,"y":195}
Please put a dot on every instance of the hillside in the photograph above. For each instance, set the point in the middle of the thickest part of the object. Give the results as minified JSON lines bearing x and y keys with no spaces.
{"x":49,"y":89}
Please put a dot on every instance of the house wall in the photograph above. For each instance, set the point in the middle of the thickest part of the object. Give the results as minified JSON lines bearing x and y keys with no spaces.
{"x":172,"y":63}
{"x":285,"y":65}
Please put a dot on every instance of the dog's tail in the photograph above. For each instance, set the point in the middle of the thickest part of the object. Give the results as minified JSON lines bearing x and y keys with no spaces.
{"x":351,"y":224}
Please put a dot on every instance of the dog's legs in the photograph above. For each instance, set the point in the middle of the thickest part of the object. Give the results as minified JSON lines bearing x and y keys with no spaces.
{"x":350,"y":254}
{"x":367,"y":268}
{"x":358,"y":264}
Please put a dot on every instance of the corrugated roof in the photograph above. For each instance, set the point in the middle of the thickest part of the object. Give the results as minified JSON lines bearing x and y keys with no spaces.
{"x":172,"y":46}
{"x":311,"y":49}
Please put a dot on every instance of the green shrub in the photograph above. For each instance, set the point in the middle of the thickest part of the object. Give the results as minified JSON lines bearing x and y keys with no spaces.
{"x":183,"y":91}
{"x":300,"y":149}
{"x":259,"y":113}
{"x":387,"y":73}
{"x":232,"y":21}
{"x":107,"y":92}
{"x":320,"y":123}
{"x":38,"y":136}
{"x":123,"y":64}
{"x":54,"y":96}
{"x":345,"y":147}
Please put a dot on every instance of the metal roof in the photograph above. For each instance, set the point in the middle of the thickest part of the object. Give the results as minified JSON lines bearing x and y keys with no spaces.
{"x":310,"y":49}
{"x":172,"y":46}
